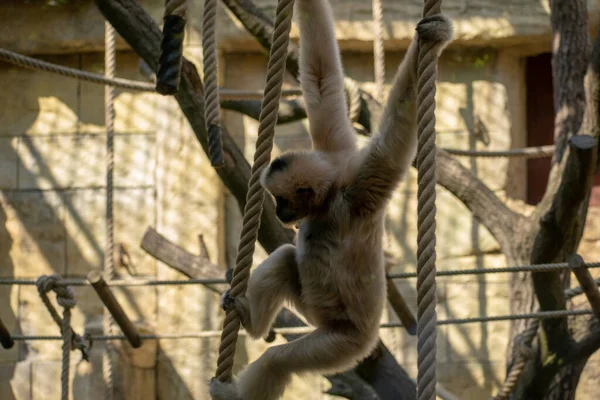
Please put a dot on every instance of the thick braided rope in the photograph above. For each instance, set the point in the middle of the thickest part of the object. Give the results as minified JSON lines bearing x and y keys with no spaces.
{"x":211,"y":89}
{"x":353,"y":95}
{"x":65,"y":297}
{"x":109,"y":262}
{"x":32,"y":63}
{"x":426,"y":238}
{"x":378,"y":52}
{"x":168,"y":75}
{"x":524,"y":349}
{"x":255,"y":196}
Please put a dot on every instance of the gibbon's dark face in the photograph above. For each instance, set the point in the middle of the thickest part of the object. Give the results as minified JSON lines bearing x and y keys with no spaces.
{"x":293,"y":208}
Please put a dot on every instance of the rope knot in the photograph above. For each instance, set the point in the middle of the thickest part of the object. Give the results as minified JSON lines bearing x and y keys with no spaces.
{"x":65,"y":296}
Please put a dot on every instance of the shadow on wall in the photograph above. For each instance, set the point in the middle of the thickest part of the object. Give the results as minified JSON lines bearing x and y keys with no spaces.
{"x":52,"y":220}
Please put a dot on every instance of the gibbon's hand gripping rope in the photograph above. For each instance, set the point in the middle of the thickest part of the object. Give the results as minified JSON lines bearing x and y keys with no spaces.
{"x":255,"y":196}
{"x":426,"y":239}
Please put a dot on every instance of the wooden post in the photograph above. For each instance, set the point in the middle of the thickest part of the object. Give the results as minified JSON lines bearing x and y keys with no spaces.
{"x":113,"y":306}
{"x":5,"y":339}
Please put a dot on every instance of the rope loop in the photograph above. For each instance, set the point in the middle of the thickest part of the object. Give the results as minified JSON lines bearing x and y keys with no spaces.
{"x":66,"y":298}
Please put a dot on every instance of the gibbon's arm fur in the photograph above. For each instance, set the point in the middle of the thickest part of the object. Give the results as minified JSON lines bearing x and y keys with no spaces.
{"x":322,"y":78}
{"x":391,"y":151}
{"x":334,"y":275}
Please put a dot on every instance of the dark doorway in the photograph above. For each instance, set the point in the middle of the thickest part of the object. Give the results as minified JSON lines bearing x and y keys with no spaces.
{"x":540,"y":126}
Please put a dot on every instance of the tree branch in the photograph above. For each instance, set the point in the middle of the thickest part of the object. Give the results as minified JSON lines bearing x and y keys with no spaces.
{"x":289,"y":111}
{"x":500,"y":220}
{"x":569,"y":63}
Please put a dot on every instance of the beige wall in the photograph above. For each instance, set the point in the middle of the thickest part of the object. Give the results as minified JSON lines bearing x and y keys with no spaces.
{"x":52,"y":200}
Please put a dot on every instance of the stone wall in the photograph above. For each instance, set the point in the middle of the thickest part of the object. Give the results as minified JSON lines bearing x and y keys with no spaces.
{"x":52,"y":149}
{"x":53,"y":221}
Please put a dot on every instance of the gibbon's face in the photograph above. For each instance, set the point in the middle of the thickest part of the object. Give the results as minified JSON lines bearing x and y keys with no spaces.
{"x":292,"y":181}
{"x":291,"y":209}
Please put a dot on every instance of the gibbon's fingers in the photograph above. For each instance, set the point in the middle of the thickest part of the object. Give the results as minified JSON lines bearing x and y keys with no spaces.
{"x":322,"y":78}
{"x":274,"y":281}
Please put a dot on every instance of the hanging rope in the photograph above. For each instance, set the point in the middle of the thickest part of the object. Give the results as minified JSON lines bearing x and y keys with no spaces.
{"x":525,"y":354}
{"x":255,"y":196}
{"x":378,"y":52}
{"x":171,"y":56}
{"x":426,"y":238}
{"x":65,"y":297}
{"x":109,"y":261}
{"x":211,"y":89}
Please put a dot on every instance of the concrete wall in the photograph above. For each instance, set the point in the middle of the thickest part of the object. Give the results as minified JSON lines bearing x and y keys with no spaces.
{"x":52,"y":148}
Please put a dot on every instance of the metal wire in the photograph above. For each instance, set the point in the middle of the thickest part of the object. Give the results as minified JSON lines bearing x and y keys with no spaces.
{"x":307,"y":329}
{"x":400,"y":275}
{"x":32,"y":63}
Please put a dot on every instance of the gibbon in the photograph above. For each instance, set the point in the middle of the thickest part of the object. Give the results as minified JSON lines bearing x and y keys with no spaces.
{"x":335,"y":274}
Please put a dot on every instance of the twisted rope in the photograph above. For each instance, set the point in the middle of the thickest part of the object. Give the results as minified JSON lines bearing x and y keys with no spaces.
{"x":378,"y":52}
{"x":65,"y":297}
{"x":426,"y":238}
{"x":400,"y":275}
{"x":255,"y":195}
{"x":307,"y":329}
{"x":211,"y":90}
{"x":109,"y":261}
{"x":171,"y":46}
{"x":32,"y":63}
{"x":353,"y":95}
{"x":525,"y":354}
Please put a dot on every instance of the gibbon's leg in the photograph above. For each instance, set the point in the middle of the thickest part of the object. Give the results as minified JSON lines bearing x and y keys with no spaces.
{"x":322,"y":78}
{"x":271,"y":283}
{"x":320,"y":351}
{"x":391,"y":151}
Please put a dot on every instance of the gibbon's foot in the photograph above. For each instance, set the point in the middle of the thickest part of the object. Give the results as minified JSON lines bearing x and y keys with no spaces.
{"x":435,"y":28}
{"x":222,"y":390}
{"x":227,"y":300}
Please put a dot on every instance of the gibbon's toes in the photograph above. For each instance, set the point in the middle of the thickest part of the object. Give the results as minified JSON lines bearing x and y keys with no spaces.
{"x":435,"y":28}
{"x":227,"y":300}
{"x":222,"y":390}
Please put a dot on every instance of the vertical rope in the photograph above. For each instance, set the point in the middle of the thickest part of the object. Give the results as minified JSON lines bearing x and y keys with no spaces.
{"x":426,"y":238}
{"x":525,"y":354}
{"x":66,"y":349}
{"x":211,"y":90}
{"x":109,"y":261}
{"x":255,"y":195}
{"x":65,"y":297}
{"x":171,"y":46}
{"x":378,"y":52}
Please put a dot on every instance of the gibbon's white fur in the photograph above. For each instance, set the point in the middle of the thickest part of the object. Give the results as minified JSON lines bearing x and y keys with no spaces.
{"x":335,"y":274}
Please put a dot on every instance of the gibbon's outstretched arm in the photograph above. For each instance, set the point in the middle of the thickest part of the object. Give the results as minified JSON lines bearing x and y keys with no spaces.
{"x":391,"y":151}
{"x":322,"y":78}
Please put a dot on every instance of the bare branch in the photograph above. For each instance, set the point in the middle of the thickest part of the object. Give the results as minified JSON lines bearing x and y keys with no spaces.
{"x":289,"y":111}
{"x":500,"y":220}
{"x":569,"y":63}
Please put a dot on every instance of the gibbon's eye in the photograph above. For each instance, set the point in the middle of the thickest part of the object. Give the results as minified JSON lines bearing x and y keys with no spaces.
{"x":301,"y":190}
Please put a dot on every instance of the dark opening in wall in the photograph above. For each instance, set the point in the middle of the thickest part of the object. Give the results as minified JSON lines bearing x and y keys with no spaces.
{"x":540,"y":127}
